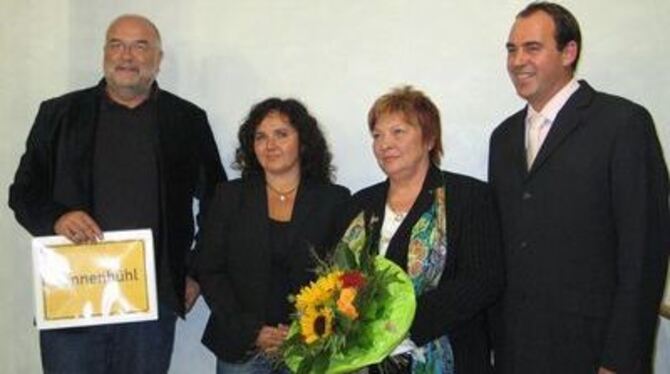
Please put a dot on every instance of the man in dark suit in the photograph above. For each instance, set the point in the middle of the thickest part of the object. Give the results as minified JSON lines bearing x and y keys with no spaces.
{"x":121,"y":155}
{"x":582,"y":190}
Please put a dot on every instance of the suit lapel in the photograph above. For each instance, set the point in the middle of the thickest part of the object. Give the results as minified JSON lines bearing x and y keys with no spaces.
{"x":305,"y":201}
{"x":567,"y":120}
{"x":75,"y":148}
{"x":257,"y":205}
{"x":255,"y":229}
{"x":518,"y":145}
{"x":374,"y":214}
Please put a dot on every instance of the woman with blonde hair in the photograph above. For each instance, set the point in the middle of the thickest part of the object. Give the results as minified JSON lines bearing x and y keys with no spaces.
{"x":440,"y":227}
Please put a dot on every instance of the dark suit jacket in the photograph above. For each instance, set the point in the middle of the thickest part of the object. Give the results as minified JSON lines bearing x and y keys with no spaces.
{"x":234,"y":261}
{"x":473,"y":275}
{"x":55,"y":172}
{"x":586,"y":235}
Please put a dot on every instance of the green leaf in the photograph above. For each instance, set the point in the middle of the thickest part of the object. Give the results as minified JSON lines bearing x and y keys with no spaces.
{"x":344,"y":258}
{"x":320,"y":364}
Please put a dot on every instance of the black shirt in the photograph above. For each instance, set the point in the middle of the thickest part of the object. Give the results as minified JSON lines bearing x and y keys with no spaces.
{"x":125,"y":176}
{"x":278,"y":307}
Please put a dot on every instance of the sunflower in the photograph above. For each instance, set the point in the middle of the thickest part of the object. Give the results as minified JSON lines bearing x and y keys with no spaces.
{"x":316,"y":324}
{"x":319,"y":292}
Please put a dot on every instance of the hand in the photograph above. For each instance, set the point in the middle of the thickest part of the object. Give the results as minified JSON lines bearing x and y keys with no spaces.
{"x":603,"y":370}
{"x":78,"y":226}
{"x":191,"y":293}
{"x":271,"y":338}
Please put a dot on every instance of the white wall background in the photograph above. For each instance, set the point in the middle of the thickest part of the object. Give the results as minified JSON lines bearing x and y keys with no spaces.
{"x":336,"y":56}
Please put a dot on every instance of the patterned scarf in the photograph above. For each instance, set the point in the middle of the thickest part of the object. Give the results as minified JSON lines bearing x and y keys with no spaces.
{"x":426,"y":259}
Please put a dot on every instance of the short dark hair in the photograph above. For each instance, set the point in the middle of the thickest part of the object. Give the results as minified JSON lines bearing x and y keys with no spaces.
{"x":418,"y":110}
{"x":315,"y":157}
{"x":566,"y":25}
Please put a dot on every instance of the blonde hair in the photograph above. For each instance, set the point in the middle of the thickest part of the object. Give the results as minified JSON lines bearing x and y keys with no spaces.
{"x":417,"y":109}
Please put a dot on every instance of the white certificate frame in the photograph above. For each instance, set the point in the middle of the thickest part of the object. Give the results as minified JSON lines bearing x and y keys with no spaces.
{"x":41,"y":245}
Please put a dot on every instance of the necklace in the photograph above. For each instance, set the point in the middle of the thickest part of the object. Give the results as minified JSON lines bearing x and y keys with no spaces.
{"x":283,"y":195}
{"x":397,"y":216}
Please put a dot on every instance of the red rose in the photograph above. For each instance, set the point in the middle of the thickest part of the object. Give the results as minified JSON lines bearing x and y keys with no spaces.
{"x":354,"y":279}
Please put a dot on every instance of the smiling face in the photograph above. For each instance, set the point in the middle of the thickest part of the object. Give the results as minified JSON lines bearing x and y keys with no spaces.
{"x":132,"y":58}
{"x":399,"y":146}
{"x":277,"y":145}
{"x":537,"y":68}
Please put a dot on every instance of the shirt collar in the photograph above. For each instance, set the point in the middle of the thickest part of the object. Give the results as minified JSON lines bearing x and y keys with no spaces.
{"x":556,"y":103}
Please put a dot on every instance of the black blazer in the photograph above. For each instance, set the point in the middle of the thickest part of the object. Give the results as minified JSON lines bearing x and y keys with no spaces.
{"x":55,"y":172}
{"x":473,"y":275}
{"x":234,"y":261}
{"x":586,"y":233}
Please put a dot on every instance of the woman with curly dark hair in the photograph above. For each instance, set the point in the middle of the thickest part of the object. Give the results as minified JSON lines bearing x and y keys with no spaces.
{"x":256,"y":240}
{"x":315,"y":157}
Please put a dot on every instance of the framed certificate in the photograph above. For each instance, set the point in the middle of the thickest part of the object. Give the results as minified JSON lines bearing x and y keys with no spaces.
{"x":110,"y":281}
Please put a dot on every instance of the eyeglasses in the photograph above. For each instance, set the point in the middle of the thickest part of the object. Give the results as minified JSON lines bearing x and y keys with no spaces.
{"x":136,"y":47}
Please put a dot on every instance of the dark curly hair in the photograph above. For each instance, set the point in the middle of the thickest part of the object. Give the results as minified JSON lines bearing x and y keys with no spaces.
{"x":315,"y":157}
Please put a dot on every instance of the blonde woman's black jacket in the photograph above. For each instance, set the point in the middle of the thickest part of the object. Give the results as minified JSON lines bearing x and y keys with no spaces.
{"x":473,"y":275}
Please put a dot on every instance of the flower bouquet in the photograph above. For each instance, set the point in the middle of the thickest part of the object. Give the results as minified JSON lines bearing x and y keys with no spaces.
{"x":356,"y":312}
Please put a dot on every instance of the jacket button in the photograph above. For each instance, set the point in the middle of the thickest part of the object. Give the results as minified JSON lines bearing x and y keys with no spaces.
{"x":526,"y":195}
{"x":523,"y":245}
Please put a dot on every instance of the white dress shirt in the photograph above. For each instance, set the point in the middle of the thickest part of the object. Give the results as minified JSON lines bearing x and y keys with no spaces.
{"x":535,"y":136}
